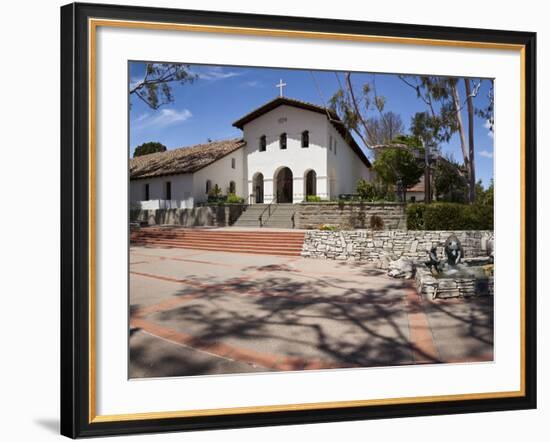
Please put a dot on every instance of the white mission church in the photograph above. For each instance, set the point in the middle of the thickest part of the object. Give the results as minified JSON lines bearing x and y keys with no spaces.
{"x":289,"y":149}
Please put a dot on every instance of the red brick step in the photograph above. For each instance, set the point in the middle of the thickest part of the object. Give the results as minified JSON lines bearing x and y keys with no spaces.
{"x":241,"y":241}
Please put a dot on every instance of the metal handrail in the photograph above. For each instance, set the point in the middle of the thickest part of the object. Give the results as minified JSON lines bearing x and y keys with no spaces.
{"x":268,"y":208}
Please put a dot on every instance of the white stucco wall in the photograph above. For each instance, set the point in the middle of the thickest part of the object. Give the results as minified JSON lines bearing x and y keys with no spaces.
{"x":418,"y":196}
{"x":190,"y":188}
{"x":336,"y":173}
{"x":292,"y":121}
{"x":182,"y":194}
{"x":220,"y":173}
{"x":344,"y":165}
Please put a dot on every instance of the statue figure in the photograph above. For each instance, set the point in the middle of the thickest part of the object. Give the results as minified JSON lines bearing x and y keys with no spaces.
{"x":453,"y":250}
{"x":491,"y":250}
{"x":401,"y":268}
{"x":433,"y":263}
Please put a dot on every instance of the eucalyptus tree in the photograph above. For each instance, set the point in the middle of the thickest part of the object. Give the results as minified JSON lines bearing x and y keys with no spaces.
{"x":155,"y":88}
{"x":363,"y":112}
{"x":443,"y":116}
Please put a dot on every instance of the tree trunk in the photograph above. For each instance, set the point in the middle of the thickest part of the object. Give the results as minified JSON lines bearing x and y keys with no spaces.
{"x":471,"y":168}
{"x":356,"y":107}
{"x":461,"y":128}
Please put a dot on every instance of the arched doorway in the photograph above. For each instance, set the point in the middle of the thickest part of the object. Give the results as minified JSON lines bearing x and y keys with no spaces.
{"x":311,"y":183}
{"x":258,"y":184}
{"x":283,"y":183}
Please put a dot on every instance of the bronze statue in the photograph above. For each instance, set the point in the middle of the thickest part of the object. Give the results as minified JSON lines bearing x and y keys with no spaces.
{"x":434,"y":264}
{"x":453,"y":250}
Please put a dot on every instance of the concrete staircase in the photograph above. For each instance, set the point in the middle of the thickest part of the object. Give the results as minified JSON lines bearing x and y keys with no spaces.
{"x":239,"y":241}
{"x":276,"y":215}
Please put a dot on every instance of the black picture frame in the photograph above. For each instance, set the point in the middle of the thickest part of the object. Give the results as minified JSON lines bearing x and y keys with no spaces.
{"x":75,"y":221}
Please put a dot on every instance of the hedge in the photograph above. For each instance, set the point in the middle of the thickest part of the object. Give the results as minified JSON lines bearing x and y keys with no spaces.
{"x":449,"y":216}
{"x":313,"y":199}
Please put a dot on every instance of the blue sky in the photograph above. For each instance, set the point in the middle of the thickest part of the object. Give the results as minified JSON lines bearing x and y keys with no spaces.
{"x":206,"y":108}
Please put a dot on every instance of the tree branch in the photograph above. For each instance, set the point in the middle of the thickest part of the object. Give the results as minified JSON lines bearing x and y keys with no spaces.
{"x":359,"y":115}
{"x":426,"y":99}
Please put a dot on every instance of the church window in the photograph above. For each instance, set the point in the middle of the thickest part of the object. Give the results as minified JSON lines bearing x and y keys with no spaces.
{"x":305,"y":138}
{"x":330,"y":143}
{"x":208,"y":186}
{"x":282,"y":141}
{"x":147,"y":192}
{"x":232,"y":163}
{"x":263,"y":143}
{"x":168,"y":190}
{"x":335,"y":144}
{"x":232,"y":187}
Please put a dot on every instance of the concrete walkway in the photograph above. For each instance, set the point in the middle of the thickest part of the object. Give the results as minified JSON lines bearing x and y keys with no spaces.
{"x":199,"y":312}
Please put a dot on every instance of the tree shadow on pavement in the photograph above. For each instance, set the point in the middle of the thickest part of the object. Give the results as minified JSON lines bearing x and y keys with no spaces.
{"x":318,"y":318}
{"x":358,"y":328}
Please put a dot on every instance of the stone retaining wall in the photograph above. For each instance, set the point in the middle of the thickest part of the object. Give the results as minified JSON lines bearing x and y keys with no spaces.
{"x":211,"y":215}
{"x":448,"y":287}
{"x":382,"y":246}
{"x":350,"y":215}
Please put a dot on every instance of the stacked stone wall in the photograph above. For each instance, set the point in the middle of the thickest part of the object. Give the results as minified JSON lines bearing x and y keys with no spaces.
{"x":378,"y":246}
{"x":350,"y":215}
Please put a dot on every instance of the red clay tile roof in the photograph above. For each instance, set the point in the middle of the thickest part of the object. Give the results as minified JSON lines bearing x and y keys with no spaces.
{"x":181,"y":160}
{"x":330,"y":114}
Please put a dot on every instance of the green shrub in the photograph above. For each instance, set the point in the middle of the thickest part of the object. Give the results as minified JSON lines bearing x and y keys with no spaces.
{"x":366,"y":190}
{"x":215,"y":191}
{"x":479,"y":217}
{"x":215,"y":195}
{"x":234,"y":199}
{"x":449,"y":216}
{"x":389,"y":195}
{"x":415,"y":216}
{"x":313,"y":199}
{"x":373,"y":191}
{"x":444,"y":216}
{"x":219,"y":199}
{"x":328,"y":227}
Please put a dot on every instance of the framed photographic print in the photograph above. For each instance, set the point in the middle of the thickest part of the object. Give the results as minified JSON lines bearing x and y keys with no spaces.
{"x":274,"y":220}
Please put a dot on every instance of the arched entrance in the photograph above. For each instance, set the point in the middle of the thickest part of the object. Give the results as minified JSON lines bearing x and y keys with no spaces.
{"x":258,"y":185}
{"x":283,"y":185}
{"x":310,"y":183}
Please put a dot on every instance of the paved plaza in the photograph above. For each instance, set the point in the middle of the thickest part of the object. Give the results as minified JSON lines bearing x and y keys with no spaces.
{"x":195,"y":312}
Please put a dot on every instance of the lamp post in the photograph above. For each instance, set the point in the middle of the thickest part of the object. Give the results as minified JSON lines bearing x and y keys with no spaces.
{"x":399,"y":186}
{"x":427,"y":178}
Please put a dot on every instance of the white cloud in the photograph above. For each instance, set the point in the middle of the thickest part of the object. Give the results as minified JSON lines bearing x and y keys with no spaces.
{"x":252,"y":83}
{"x":140,"y":118}
{"x":486,"y":154}
{"x":162,"y":118}
{"x":217,"y":73}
